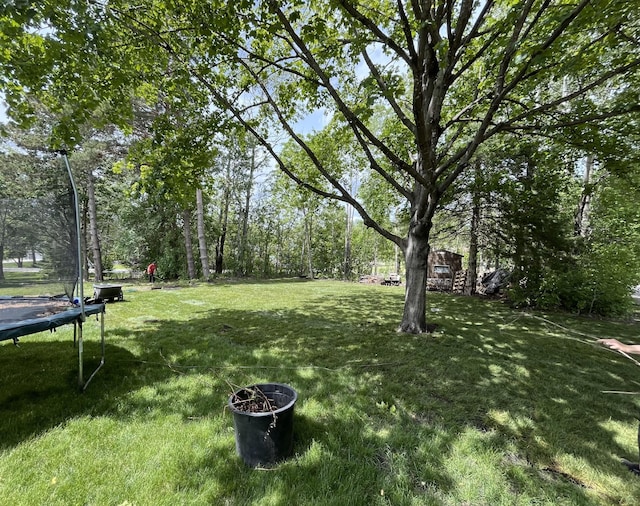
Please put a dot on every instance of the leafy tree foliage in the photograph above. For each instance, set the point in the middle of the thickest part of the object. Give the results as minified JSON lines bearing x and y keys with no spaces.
{"x":605,"y":265}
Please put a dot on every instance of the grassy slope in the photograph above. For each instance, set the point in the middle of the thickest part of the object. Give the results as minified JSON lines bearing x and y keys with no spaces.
{"x":497,"y":407}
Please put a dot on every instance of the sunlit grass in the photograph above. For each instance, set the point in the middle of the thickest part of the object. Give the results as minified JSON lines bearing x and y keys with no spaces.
{"x":496,"y":407}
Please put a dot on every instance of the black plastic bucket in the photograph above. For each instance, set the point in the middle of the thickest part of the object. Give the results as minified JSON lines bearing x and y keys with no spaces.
{"x":264,"y":438}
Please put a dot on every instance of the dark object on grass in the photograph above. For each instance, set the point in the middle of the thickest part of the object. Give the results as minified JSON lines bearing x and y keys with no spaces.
{"x":493,"y":282}
{"x":632,"y":466}
{"x":107,"y":292}
{"x":392,"y":280}
{"x":263,"y":422}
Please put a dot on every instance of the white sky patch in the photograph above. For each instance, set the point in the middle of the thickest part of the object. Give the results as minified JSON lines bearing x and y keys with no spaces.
{"x":313,"y":122}
{"x":3,"y":109}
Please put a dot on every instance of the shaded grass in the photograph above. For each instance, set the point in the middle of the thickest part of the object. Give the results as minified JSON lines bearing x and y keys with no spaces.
{"x":496,"y":407}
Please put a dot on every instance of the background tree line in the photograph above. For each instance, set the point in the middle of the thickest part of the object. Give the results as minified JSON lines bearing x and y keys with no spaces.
{"x":471,"y":115}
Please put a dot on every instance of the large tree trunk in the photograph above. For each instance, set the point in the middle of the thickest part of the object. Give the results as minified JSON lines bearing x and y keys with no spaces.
{"x":93,"y":228}
{"x":202,"y":240}
{"x":416,"y":253}
{"x":186,"y":222}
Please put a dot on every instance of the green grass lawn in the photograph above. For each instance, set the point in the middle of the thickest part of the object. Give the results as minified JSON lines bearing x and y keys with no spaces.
{"x":497,"y":407}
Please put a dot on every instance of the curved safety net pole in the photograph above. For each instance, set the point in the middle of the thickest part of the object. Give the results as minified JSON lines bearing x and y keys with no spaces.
{"x":80,"y":287}
{"x":80,"y":283}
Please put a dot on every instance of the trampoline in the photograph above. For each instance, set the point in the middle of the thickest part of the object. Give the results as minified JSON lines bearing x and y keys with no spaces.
{"x":42,"y":224}
{"x":21,"y":316}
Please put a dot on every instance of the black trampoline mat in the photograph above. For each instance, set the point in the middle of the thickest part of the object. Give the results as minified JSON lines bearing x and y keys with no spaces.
{"x":17,"y":309}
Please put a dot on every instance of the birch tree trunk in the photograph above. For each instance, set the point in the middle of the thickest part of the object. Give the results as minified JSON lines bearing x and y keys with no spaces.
{"x":307,"y":228}
{"x":93,"y":227}
{"x":581,"y":222}
{"x":186,"y":223}
{"x":347,"y":242}
{"x":224,"y":218}
{"x":245,"y":215}
{"x":202,"y":240}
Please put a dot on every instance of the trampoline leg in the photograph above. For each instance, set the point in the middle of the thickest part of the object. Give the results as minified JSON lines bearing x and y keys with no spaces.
{"x":85,"y":385}
{"x":80,"y":359}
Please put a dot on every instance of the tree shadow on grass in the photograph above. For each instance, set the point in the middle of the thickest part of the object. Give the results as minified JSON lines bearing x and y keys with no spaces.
{"x":40,"y":385}
{"x":480,"y":371}
{"x":529,"y":390}
{"x":377,"y":410}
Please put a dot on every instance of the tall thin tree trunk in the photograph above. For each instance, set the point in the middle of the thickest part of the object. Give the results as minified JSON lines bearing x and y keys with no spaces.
{"x":397,"y":259}
{"x":243,"y":260}
{"x":581,"y":222}
{"x":278,"y":259}
{"x":472,"y":271}
{"x":265,"y":251}
{"x":186,"y":223}
{"x":347,"y":242}
{"x":202,"y":240}
{"x":92,"y":212}
{"x":3,"y":236}
{"x":374,"y":269}
{"x":307,"y":228}
{"x":224,"y":218}
{"x":303,"y":250}
{"x":84,"y":241}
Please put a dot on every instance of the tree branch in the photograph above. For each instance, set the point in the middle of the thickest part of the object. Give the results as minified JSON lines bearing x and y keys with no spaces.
{"x":352,"y":119}
{"x":373,"y":28}
{"x":569,"y":97}
{"x":583,"y":120}
{"x":545,"y":45}
{"x":406,"y":29}
{"x":387,"y":94}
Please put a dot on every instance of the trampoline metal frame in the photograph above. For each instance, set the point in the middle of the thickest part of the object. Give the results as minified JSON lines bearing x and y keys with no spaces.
{"x":77,"y":332}
{"x":15,"y":329}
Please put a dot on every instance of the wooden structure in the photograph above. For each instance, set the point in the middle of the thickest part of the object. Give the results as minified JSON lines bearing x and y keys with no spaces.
{"x":442,"y":268}
{"x":459,"y":280}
